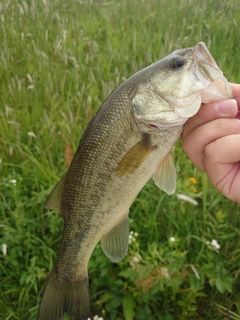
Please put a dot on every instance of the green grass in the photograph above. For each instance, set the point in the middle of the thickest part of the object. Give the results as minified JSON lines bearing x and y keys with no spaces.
{"x":59,"y":60}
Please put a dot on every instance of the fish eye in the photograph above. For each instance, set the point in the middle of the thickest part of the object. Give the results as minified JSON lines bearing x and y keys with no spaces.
{"x":176,"y":63}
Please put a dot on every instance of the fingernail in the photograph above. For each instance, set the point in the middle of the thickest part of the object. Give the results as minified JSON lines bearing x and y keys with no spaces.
{"x":226,"y":107}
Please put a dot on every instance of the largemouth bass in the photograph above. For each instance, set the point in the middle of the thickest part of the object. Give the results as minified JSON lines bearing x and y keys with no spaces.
{"x":126,"y":143}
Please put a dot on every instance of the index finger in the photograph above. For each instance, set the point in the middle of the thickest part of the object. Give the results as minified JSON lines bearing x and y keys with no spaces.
{"x":211,"y":111}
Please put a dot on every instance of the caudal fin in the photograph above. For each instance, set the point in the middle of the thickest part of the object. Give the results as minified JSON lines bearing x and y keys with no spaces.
{"x":59,"y":297}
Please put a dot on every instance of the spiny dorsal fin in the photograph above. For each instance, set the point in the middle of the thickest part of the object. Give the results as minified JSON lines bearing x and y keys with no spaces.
{"x":54,"y":200}
{"x":165,"y":176}
{"x":135,"y":156}
{"x":115,"y":243}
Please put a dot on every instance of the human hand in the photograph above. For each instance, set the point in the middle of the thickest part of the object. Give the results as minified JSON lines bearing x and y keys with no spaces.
{"x":211,"y":139}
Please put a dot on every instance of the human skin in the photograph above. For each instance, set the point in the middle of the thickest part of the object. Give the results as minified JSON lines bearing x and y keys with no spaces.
{"x":211,"y":139}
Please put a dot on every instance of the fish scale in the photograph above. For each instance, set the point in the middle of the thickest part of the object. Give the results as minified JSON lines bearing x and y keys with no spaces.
{"x":126,"y":143}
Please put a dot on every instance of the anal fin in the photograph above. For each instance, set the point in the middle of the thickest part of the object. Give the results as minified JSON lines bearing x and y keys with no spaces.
{"x":54,"y":200}
{"x":115,"y":243}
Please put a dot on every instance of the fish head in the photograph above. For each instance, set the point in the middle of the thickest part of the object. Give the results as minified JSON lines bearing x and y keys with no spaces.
{"x":172,"y":89}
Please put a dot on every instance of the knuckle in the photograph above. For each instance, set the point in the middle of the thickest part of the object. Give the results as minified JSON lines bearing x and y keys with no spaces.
{"x":209,"y":151}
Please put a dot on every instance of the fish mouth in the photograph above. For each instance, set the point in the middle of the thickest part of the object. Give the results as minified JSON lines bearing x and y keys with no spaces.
{"x":216,"y":86}
{"x":202,"y":53}
{"x":206,"y":63}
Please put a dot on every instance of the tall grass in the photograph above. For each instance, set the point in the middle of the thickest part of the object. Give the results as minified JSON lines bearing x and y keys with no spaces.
{"x":59,"y":60}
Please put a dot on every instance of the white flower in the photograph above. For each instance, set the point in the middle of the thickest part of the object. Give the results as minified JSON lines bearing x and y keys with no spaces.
{"x":187,"y":199}
{"x":13,"y":181}
{"x":135,"y":260}
{"x":132,"y":236}
{"x":165,"y":273}
{"x":172,"y":239}
{"x":215,"y":244}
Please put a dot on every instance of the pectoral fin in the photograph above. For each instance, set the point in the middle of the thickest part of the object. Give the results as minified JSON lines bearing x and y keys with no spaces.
{"x":54,"y":200}
{"x":135,"y":156}
{"x":165,"y":176}
{"x":115,"y":243}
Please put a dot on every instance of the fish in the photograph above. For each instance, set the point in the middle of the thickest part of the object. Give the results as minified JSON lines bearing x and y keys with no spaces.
{"x":128,"y":141}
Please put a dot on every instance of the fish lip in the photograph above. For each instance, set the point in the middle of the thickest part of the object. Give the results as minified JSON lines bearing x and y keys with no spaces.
{"x":207,"y":71}
{"x":201,"y":52}
{"x":205,"y":63}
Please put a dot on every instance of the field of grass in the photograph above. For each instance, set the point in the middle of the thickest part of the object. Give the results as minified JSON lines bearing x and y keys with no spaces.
{"x":59,"y":60}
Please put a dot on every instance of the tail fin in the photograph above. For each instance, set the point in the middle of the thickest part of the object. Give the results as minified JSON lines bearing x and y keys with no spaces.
{"x":59,"y":297}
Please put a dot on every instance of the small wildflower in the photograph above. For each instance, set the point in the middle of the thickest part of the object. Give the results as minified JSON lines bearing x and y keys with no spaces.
{"x":165,"y":273}
{"x":215,"y":244}
{"x":4,"y":249}
{"x":13,"y":181}
{"x":193,"y":180}
{"x":172,"y":239}
{"x":187,"y":199}
{"x":132,"y":236}
{"x":135,"y":260}
{"x":193,"y":186}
